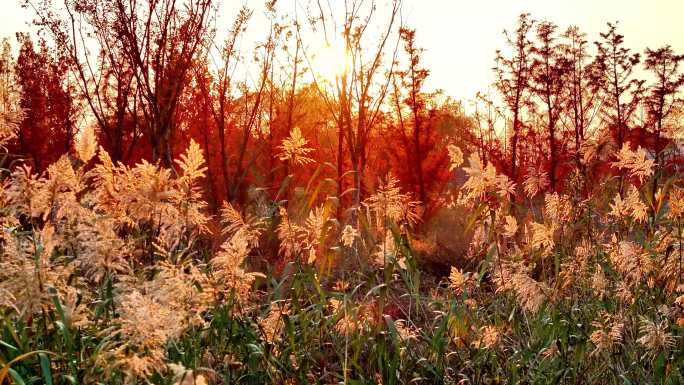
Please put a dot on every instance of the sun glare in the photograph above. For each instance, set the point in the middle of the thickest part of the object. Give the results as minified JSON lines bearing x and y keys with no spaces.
{"x":330,"y":61}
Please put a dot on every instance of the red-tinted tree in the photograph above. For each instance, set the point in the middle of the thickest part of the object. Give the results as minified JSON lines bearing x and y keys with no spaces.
{"x":549,"y":70}
{"x":663,"y":95}
{"x":148,"y":45}
{"x":615,"y":64}
{"x":582,"y":100}
{"x":513,"y":75}
{"x":47,"y":130}
{"x":416,"y":129}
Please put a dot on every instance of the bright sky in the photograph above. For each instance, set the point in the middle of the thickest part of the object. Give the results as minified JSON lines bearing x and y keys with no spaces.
{"x":460,"y":37}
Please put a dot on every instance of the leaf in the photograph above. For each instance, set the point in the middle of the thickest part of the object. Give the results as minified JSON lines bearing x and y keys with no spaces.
{"x":659,"y":366}
{"x":625,"y":380}
{"x":64,"y":325}
{"x":45,"y":368}
{"x":8,"y":346}
{"x":17,"y":378}
{"x":5,"y":369}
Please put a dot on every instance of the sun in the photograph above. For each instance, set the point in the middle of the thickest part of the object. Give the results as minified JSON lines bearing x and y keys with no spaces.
{"x":330,"y":61}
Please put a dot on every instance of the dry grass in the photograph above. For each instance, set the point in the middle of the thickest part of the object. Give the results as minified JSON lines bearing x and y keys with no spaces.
{"x":105,"y":279}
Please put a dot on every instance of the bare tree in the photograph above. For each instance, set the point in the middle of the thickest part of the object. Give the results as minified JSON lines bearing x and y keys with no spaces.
{"x":356,"y":98}
{"x":148,"y":47}
{"x":219,"y":92}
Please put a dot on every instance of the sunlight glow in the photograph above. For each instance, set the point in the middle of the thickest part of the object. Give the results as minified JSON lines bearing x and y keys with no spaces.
{"x":330,"y":61}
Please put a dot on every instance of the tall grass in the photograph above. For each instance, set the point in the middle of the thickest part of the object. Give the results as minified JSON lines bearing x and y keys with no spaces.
{"x":106,"y":278}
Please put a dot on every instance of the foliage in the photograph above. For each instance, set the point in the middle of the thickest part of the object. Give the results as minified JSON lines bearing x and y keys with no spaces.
{"x":106,"y":278}
{"x":355,"y":230}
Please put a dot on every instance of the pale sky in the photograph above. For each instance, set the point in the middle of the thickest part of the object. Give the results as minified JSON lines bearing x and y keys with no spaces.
{"x":460,"y":37}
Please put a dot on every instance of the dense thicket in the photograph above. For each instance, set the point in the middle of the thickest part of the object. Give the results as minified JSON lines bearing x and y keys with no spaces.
{"x":179,"y":209}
